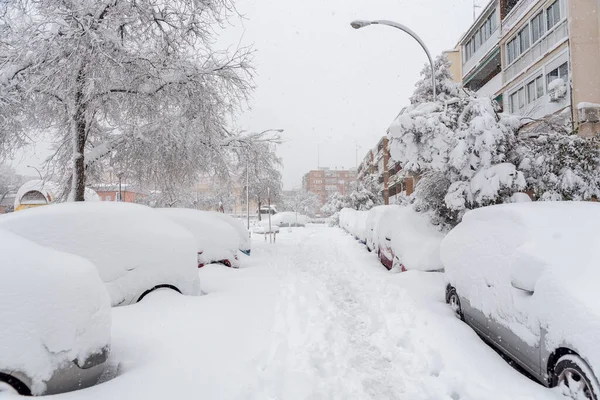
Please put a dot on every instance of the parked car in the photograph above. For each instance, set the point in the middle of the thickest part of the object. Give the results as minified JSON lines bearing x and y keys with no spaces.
{"x":55,"y":317}
{"x":135,"y":249}
{"x":406,"y":239}
{"x":217,"y":242}
{"x":288,"y":219}
{"x":373,"y":217}
{"x":525,"y":277}
{"x":354,"y":222}
{"x":242,"y":231}
{"x":263,"y":228}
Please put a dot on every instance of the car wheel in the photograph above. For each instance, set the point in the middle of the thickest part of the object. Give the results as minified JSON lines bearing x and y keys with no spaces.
{"x":10,"y":384}
{"x":575,"y":379}
{"x":454,"y":302}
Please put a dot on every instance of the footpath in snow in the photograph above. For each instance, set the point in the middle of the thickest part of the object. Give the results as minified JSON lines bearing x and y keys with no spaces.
{"x":313,"y":316}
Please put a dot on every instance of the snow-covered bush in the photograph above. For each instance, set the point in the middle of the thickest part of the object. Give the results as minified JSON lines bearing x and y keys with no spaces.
{"x":559,"y":166}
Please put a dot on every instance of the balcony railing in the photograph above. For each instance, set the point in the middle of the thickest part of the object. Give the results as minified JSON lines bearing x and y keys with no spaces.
{"x":481,"y":52}
{"x":537,"y":51}
{"x":515,"y":15}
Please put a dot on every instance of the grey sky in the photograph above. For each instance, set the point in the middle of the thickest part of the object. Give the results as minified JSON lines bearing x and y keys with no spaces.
{"x":326,"y":84}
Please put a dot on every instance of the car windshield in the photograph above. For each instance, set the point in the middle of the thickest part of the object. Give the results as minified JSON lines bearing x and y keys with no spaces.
{"x":342,"y":199}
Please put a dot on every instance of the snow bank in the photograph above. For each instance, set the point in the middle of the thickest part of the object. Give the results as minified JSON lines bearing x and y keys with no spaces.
{"x":216,"y":240}
{"x":413,"y":240}
{"x":289,"y":218}
{"x":240,"y":227}
{"x":133,"y":247}
{"x":53,"y":307}
{"x":550,"y":249}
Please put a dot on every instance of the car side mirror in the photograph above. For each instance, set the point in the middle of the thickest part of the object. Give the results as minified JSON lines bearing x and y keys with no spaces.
{"x":524,"y":288}
{"x":388,"y":239}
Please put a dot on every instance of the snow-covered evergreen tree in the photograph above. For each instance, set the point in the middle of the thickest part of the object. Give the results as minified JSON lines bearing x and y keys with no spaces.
{"x":457,"y":146}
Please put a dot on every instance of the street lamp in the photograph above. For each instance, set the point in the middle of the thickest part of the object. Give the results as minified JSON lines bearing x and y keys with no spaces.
{"x":361,"y":24}
{"x":38,"y":171}
{"x":120,"y":176}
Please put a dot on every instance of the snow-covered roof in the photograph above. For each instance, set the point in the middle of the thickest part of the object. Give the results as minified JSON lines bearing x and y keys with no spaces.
{"x":49,"y":190}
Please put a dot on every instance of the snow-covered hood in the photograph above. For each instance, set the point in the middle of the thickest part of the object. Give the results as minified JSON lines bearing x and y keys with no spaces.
{"x":238,"y":225}
{"x":54,"y":309}
{"x":133,"y":247}
{"x":550,"y":249}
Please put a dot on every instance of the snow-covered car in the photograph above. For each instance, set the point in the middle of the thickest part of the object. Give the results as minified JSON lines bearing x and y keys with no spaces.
{"x":405,"y":238}
{"x":354,"y":222}
{"x":288,"y":219}
{"x":217,"y":242}
{"x":134,"y":248}
{"x":373,"y":217}
{"x":525,"y":276}
{"x":55,"y":319}
{"x":240,"y":228}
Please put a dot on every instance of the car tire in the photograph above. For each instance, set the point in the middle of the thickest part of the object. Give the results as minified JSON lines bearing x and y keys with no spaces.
{"x":453,"y":301}
{"x":12,"y":385}
{"x":575,"y":377}
{"x":157,"y":287}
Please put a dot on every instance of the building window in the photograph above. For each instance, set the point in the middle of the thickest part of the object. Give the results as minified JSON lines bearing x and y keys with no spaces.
{"x":535,"y":89}
{"x":524,"y":39}
{"x":561,"y":72}
{"x":316,"y":182}
{"x":481,"y":36}
{"x":513,"y":106}
{"x":512,"y":50}
{"x":521,"y":93}
{"x":537,"y":27}
{"x":553,"y":14}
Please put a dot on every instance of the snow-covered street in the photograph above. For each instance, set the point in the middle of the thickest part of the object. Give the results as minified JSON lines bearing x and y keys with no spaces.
{"x":314,"y":316}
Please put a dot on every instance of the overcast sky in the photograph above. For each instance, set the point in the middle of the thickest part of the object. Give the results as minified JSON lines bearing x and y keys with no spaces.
{"x":332,"y":87}
{"x":329,"y":86}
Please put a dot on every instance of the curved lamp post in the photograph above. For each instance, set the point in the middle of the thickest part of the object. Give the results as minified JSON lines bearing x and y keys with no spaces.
{"x":37,"y":170}
{"x":361,"y":24}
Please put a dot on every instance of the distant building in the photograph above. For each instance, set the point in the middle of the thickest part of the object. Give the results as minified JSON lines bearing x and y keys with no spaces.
{"x":111,"y":192}
{"x":325,"y":181}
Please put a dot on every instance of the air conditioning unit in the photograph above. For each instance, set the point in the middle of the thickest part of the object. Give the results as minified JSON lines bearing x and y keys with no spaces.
{"x":589,"y":112}
{"x":557,"y":90}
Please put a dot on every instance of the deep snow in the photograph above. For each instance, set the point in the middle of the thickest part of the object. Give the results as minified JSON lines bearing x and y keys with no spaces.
{"x":314,"y":316}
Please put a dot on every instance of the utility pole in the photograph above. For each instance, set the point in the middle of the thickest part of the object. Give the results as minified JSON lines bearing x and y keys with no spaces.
{"x":248,"y":195}
{"x":269,"y":200}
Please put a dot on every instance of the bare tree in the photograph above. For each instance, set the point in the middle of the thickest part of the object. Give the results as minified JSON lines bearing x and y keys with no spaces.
{"x":136,"y":79}
{"x":9,"y":181}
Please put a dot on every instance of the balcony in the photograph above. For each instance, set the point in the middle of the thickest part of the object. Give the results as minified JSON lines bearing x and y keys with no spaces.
{"x":482,"y":52}
{"x":514,"y":11}
{"x":547,"y":43}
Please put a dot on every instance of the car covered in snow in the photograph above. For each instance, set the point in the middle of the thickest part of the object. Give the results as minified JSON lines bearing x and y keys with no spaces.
{"x":134,"y":248}
{"x":263,"y":228}
{"x":372,"y":220}
{"x":525,"y":277}
{"x":217,"y":242}
{"x":354,"y":222}
{"x":406,"y":239}
{"x":55,"y":319}
{"x":240,"y":228}
{"x":288,"y":219}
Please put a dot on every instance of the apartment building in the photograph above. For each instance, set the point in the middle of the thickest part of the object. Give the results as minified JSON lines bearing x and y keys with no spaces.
{"x":537,"y":58}
{"x":325,"y":181}
{"x":378,"y":170}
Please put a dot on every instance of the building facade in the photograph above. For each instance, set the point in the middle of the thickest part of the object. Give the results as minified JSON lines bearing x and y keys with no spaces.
{"x":325,"y":181}
{"x":379,"y":171}
{"x":537,"y":58}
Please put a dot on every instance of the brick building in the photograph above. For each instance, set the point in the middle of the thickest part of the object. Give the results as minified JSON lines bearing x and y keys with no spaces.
{"x":325,"y":181}
{"x":378,"y":170}
{"x":110,"y":192}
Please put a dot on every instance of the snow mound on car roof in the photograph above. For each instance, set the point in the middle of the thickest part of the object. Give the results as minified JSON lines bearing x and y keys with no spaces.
{"x":53,"y":307}
{"x":548,"y":250}
{"x":133,"y":247}
{"x":238,"y":225}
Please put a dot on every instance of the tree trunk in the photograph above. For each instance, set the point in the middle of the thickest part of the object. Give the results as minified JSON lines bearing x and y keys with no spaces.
{"x":79,"y":128}
{"x":259,"y":214}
